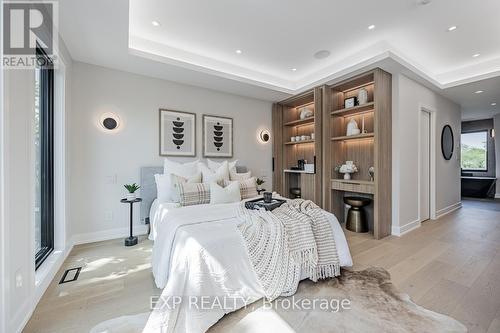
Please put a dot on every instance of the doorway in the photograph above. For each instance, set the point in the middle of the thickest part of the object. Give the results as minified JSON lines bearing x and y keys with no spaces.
{"x":425,"y":166}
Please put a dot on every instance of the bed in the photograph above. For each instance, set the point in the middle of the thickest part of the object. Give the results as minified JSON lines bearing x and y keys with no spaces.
{"x":199,"y":252}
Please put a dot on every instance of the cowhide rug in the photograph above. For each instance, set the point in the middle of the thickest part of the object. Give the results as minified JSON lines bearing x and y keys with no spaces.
{"x":374,"y":305}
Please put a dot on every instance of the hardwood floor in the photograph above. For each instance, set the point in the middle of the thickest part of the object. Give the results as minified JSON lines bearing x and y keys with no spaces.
{"x":451,"y":265}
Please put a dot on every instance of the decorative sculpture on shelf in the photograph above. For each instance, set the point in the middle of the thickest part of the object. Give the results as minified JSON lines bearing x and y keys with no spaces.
{"x":304,"y":113}
{"x":347,"y":168}
{"x":352,"y":128}
{"x":362,"y":96}
{"x":371,"y":172}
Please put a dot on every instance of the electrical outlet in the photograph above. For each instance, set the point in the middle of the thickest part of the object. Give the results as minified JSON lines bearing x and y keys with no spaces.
{"x":108,"y":215}
{"x":19,"y":279}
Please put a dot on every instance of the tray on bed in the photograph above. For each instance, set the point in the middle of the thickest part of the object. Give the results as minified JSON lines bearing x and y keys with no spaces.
{"x":259,"y":203}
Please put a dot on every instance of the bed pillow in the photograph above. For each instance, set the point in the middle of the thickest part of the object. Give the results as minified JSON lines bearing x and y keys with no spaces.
{"x":182,"y":169}
{"x":194,"y":194}
{"x":248,"y":188}
{"x":228,"y":194}
{"x":175,"y":180}
{"x":240,"y":176}
{"x":213,"y":165}
{"x":185,"y":170}
{"x":218,"y":175}
{"x":163,"y":190}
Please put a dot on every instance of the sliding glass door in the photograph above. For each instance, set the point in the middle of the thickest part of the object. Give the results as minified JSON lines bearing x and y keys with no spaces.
{"x":44,"y":161}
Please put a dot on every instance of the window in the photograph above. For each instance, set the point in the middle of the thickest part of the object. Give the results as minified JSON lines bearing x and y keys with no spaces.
{"x":474,"y":151}
{"x":44,"y":161}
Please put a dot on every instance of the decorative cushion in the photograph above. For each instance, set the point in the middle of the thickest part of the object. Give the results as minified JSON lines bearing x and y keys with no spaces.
{"x":175,"y":180}
{"x":218,"y":175}
{"x":228,"y":194}
{"x":239,"y":176}
{"x":194,"y":193}
{"x":213,"y":165}
{"x":248,"y":188}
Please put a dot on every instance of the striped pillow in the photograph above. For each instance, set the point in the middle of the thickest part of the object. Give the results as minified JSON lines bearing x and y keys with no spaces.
{"x":194,"y":194}
{"x":248,"y":188}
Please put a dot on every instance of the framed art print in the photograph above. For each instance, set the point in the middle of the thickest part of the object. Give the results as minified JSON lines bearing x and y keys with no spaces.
{"x":177,"y":133}
{"x":217,"y":136}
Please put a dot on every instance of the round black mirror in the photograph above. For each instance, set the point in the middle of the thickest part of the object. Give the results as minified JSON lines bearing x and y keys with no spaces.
{"x":447,"y":142}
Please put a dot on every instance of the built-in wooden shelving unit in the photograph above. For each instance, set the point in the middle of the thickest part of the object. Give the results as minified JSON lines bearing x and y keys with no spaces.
{"x":372,"y":147}
{"x":332,"y":146}
{"x":286,"y":153}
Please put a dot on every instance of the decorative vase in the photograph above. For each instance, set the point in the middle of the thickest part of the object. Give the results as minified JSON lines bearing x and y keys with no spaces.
{"x":362,"y":96}
{"x":131,"y":196}
{"x":347,"y":176}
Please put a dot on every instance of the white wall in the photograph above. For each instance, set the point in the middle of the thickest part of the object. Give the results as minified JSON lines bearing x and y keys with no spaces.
{"x":496,"y":125}
{"x":17,"y":234}
{"x":408,"y":98}
{"x":98,"y":156}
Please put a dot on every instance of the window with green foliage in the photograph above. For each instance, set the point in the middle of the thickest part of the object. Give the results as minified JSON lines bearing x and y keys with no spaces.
{"x":474,"y":151}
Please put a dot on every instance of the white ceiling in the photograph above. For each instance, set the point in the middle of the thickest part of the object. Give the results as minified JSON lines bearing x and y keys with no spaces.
{"x":196,"y":42}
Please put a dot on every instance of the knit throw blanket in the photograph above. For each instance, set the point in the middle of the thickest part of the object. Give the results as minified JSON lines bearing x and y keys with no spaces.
{"x":281,"y":244}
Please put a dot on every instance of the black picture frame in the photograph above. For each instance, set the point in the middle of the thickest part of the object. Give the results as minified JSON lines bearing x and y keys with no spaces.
{"x":447,"y":142}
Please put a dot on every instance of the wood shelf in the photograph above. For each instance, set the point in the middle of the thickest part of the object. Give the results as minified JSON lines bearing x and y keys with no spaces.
{"x":354,"y":181}
{"x":353,"y":137}
{"x":308,"y":120}
{"x":358,"y":109}
{"x":298,"y":142}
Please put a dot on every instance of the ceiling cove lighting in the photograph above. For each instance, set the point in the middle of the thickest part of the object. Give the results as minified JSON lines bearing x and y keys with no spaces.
{"x":238,"y":51}
{"x":476,"y":55}
{"x":452,"y":28}
{"x":155,"y":23}
{"x":371,"y":27}
{"x":478,"y":92}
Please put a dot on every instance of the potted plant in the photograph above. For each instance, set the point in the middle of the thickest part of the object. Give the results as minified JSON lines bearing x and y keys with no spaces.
{"x":259,"y":182}
{"x":131,"y":188}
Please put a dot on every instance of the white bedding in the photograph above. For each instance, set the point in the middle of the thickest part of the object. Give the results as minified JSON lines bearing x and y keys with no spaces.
{"x":198,"y":251}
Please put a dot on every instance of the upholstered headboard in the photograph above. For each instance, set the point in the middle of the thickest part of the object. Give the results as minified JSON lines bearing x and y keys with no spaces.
{"x":148,"y":188}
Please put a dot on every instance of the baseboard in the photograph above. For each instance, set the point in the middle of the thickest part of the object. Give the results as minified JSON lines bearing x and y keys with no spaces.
{"x":497,"y":195}
{"x":103,"y":235}
{"x":399,"y":231}
{"x":451,"y":208}
{"x":21,"y":317}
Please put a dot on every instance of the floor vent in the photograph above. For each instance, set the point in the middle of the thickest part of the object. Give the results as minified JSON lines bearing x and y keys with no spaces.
{"x":70,"y":275}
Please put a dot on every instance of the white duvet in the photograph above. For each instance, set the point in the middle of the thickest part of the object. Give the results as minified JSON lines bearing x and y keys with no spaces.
{"x":200,"y":255}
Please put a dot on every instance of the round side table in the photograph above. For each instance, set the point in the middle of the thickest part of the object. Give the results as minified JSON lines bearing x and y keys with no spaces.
{"x":132,"y":240}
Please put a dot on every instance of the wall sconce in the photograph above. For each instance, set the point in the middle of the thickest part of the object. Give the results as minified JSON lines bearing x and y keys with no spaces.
{"x":109,"y":121}
{"x":264,"y":136}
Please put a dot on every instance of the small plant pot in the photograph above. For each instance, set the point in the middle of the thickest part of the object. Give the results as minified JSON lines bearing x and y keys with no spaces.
{"x":131,"y":196}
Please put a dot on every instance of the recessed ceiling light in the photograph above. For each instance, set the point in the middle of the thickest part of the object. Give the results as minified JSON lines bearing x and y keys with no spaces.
{"x":478,"y":91}
{"x":423,"y":2}
{"x":322,"y":54}
{"x":476,"y":55}
{"x":238,"y":51}
{"x":294,"y":69}
{"x":155,"y":23}
{"x":453,"y":27}
{"x":371,"y":27}
{"x":493,"y":104}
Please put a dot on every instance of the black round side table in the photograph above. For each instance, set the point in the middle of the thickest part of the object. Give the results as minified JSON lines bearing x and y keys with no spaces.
{"x":132,"y":240}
